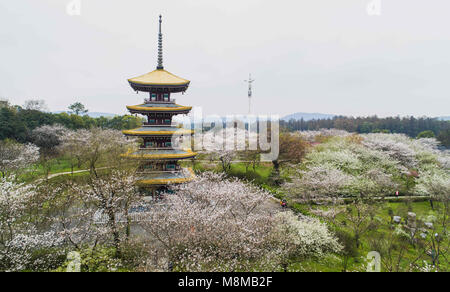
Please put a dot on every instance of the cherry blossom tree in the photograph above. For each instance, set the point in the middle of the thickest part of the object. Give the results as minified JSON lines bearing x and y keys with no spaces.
{"x":397,"y":146}
{"x":251,"y":158}
{"x":20,"y":237}
{"x":210,"y":224}
{"x":226,"y":157}
{"x":95,"y":146}
{"x":314,"y":136}
{"x":71,"y":213}
{"x":35,"y":105}
{"x":292,"y":148}
{"x":296,"y":239}
{"x":318,"y":182}
{"x":436,"y":185}
{"x":48,"y":137}
{"x":360,"y":218}
{"x":72,"y":146}
{"x":218,"y":224}
{"x":15,"y":156}
{"x":112,"y":196}
{"x":38,"y":238}
{"x":374,"y":165}
{"x":105,"y":145}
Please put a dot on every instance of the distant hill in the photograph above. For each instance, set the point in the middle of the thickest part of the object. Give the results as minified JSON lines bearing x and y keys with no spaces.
{"x":444,"y":118}
{"x":98,"y":114}
{"x":93,"y":114}
{"x":308,"y":116}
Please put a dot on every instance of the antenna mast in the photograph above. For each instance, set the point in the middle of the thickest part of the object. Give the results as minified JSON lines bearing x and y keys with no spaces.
{"x":249,"y":81}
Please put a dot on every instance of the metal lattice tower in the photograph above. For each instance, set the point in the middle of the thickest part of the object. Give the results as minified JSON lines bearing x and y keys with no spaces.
{"x":249,"y":81}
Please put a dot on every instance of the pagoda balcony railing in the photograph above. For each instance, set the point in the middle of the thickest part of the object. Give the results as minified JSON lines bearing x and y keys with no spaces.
{"x":148,"y":100}
{"x":159,"y":171}
{"x":161,"y":125}
{"x":157,"y":148}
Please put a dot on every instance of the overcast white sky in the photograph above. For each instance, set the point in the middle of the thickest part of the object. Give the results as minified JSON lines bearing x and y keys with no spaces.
{"x":323,"y":56}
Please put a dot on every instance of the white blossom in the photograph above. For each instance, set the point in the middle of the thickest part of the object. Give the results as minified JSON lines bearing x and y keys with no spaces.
{"x":218,"y":224}
{"x":15,"y":156}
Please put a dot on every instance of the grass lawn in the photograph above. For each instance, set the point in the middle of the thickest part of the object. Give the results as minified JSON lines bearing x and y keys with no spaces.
{"x":37,"y":171}
{"x":335,"y":262}
{"x":258,"y":176}
{"x":357,"y":263}
{"x":57,"y":165}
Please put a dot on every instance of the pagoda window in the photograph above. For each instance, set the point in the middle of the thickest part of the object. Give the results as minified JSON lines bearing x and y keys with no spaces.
{"x":166,"y":96}
{"x":148,"y":166}
{"x":168,"y":144}
{"x":151,"y":121}
{"x":170,"y":166}
{"x":149,"y":144}
{"x":167,"y":121}
{"x":153,"y":97}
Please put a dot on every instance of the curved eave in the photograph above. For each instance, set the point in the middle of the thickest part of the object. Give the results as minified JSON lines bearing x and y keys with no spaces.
{"x":156,"y":133}
{"x":158,"y":87}
{"x":137,"y":108}
{"x":184,"y":82}
{"x":153,"y":182}
{"x":159,"y":77}
{"x":187,"y":155}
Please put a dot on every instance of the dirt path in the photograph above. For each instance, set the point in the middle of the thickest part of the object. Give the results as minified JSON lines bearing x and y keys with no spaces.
{"x":68,"y":172}
{"x":50,"y":176}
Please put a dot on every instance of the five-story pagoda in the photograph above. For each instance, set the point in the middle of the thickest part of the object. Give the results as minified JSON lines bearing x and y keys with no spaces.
{"x":158,"y":158}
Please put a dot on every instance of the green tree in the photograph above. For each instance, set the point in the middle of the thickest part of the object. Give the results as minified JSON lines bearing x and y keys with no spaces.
{"x":78,"y":108}
{"x":11,"y":126}
{"x":444,"y":137}
{"x":292,"y":149}
{"x":349,"y":249}
{"x":426,"y":134}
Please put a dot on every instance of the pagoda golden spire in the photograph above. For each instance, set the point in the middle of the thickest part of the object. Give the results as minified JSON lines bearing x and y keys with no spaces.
{"x":159,"y":80}
{"x":160,"y":47}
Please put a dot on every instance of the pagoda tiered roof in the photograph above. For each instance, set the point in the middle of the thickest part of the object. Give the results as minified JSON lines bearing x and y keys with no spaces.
{"x":165,"y":178}
{"x":157,"y":131}
{"x":159,"y":107}
{"x":158,"y":165}
{"x":159,"y":80}
{"x":160,"y":154}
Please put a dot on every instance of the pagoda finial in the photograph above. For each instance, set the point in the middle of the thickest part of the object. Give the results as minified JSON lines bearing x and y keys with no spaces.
{"x":160,"y":47}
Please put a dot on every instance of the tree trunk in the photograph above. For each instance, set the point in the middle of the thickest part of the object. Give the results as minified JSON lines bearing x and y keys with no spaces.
{"x":276,"y":165}
{"x":115,"y":232}
{"x":357,"y":240}
{"x":128,"y":228}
